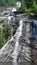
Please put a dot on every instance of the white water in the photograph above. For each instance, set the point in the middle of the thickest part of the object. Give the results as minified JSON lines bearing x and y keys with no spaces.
{"x":16,"y":47}
{"x":4,"y":47}
{"x":17,"y":35}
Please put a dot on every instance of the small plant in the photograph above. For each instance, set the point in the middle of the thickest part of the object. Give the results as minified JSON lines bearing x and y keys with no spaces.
{"x":2,"y":39}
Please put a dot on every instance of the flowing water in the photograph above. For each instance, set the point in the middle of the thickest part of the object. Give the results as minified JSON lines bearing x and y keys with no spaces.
{"x":17,"y":35}
{"x":5,"y":49}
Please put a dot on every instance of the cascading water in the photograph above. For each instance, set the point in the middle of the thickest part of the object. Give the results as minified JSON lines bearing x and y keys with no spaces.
{"x":6,"y":48}
{"x":17,"y":35}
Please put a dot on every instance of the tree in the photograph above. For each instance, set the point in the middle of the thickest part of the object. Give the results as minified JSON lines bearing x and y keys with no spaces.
{"x":34,"y":6}
{"x":23,"y":5}
{"x":30,"y":5}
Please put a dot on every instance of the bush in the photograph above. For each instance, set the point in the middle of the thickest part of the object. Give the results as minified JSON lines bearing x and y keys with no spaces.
{"x":28,"y":10}
{"x":2,"y":39}
{"x":7,"y":31}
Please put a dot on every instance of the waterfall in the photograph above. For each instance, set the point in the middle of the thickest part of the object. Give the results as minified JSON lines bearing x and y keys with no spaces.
{"x":4,"y":50}
{"x":17,"y":35}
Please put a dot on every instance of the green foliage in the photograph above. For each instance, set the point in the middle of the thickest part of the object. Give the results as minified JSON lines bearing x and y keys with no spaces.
{"x":23,"y":5}
{"x":2,"y":39}
{"x":26,"y":4}
{"x":28,"y":10}
{"x":7,"y":2}
{"x":5,"y":34}
{"x":29,"y":6}
{"x":7,"y":31}
{"x":34,"y":6}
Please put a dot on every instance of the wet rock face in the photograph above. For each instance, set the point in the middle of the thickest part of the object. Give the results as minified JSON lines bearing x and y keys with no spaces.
{"x":15,"y":24}
{"x":24,"y":41}
{"x":28,"y":47}
{"x":33,"y":16}
{"x":28,"y":51}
